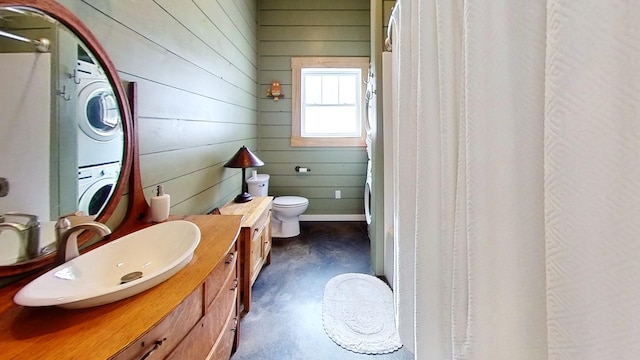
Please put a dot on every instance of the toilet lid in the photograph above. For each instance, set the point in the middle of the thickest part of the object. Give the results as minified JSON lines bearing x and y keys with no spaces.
{"x":289,"y":201}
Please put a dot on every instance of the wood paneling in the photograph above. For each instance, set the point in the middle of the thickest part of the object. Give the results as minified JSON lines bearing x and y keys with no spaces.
{"x":313,"y":48}
{"x":310,"y":180}
{"x":312,"y":155}
{"x":159,"y":101}
{"x":313,"y":5}
{"x":308,"y":28}
{"x":175,"y":134}
{"x":317,"y":169}
{"x":325,"y":193}
{"x":315,"y":17}
{"x":311,"y":33}
{"x":196,"y":64}
{"x":281,"y":63}
{"x":275,"y":118}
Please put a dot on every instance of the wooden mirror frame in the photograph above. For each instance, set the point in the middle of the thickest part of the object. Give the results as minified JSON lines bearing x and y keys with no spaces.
{"x":138,"y":212}
{"x":68,"y":19}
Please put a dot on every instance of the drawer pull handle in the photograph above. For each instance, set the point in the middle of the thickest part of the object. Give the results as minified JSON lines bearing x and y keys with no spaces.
{"x":230,"y":258}
{"x":155,"y":347}
{"x":235,"y":284}
{"x":235,"y":324}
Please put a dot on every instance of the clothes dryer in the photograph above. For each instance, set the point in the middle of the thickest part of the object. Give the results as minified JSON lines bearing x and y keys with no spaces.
{"x":100,"y":136}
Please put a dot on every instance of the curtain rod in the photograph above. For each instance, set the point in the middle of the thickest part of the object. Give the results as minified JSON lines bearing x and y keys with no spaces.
{"x":42,"y":45}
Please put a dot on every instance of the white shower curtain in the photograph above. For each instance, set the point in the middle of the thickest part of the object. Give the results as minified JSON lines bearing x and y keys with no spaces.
{"x":518,"y":220}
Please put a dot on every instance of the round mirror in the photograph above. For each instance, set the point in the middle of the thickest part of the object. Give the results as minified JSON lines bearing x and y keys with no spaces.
{"x":64,"y":129}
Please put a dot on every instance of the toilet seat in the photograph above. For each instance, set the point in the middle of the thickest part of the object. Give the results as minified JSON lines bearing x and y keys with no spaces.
{"x":284,"y":202}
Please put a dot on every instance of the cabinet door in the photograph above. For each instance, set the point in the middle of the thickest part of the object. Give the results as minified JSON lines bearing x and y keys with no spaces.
{"x":256,"y":254}
{"x":257,"y":241}
{"x":266,"y":238}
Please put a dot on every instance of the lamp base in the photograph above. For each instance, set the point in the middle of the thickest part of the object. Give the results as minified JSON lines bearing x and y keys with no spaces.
{"x":242,"y":198}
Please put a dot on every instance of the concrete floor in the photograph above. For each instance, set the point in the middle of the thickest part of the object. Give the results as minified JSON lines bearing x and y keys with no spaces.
{"x":285,"y":321}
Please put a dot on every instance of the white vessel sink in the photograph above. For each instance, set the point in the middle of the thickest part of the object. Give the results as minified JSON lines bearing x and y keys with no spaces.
{"x":96,"y":277}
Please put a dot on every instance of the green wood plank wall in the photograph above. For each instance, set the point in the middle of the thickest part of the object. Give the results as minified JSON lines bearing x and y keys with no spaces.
{"x":196,"y":65}
{"x":308,"y":28}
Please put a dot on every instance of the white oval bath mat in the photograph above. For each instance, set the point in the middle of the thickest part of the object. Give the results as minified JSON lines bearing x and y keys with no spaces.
{"x":357,"y":313}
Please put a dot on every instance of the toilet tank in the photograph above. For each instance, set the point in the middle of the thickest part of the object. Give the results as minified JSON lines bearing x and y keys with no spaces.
{"x":258,"y":185}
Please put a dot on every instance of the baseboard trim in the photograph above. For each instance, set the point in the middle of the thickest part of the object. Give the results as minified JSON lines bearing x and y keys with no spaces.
{"x":332,"y":217}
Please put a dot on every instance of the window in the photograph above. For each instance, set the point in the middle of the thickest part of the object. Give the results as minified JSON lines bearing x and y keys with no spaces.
{"x":328,"y":101}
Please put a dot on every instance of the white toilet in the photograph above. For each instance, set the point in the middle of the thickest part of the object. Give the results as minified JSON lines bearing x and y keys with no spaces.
{"x":285,"y":219}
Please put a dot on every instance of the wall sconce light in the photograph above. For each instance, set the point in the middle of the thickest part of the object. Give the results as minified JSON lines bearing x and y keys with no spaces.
{"x":243,"y":159}
{"x":275,"y":91}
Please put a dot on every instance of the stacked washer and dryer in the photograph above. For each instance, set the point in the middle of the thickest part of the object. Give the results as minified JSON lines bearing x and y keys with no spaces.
{"x":100,"y":136}
{"x":381,"y":125}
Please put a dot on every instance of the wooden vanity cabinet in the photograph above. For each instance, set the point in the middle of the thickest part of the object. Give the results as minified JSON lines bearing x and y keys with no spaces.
{"x":254,"y":240}
{"x":199,"y":326}
{"x":193,"y":315}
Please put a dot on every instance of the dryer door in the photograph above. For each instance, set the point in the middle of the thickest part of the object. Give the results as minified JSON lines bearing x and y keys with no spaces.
{"x":98,"y":109}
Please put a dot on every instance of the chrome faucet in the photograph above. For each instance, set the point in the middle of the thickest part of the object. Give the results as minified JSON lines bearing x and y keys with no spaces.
{"x":67,"y":230}
{"x":28,"y":233}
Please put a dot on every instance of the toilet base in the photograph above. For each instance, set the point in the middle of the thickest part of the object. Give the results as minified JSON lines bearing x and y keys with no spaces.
{"x":285,"y":229}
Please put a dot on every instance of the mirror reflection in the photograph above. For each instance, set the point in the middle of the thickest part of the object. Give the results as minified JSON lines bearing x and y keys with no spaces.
{"x":61,"y":134}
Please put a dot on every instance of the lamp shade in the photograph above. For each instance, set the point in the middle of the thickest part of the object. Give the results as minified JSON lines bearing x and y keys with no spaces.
{"x":244,"y":158}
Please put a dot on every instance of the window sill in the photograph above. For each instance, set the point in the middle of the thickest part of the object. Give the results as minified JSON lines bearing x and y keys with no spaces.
{"x":327,"y":142}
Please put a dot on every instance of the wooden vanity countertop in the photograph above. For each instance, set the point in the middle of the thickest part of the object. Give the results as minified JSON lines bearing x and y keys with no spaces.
{"x":100,"y":332}
{"x":251,"y":210}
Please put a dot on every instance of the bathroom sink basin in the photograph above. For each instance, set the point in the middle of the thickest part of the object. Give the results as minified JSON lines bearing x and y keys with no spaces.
{"x":114,"y":271}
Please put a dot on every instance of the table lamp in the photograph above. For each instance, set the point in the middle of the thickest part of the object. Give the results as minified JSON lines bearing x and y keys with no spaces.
{"x":243,"y":159}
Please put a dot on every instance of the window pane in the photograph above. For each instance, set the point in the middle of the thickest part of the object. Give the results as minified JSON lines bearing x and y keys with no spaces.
{"x":330,"y":89}
{"x":330,"y":121}
{"x":313,"y":89}
{"x":347,"y":90}
{"x":330,"y":102}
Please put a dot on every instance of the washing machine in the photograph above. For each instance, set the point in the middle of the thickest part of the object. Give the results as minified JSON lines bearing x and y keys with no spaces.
{"x":95,"y":186}
{"x":100,"y":134}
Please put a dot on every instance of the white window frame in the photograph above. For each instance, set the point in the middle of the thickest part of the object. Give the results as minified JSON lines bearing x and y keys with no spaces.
{"x":299,"y":63}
